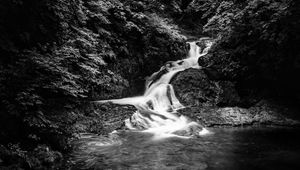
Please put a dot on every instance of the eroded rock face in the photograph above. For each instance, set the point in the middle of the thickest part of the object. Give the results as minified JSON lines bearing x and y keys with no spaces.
{"x":193,"y":87}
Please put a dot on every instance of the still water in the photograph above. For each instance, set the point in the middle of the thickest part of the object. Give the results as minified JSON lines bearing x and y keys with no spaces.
{"x":226,"y":148}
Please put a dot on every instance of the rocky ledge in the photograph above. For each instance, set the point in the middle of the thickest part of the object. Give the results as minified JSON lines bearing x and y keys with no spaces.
{"x":214,"y":102}
{"x":237,"y":116}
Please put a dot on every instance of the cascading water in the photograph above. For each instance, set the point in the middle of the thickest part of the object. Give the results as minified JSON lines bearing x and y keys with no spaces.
{"x":228,"y":148}
{"x":156,"y":109}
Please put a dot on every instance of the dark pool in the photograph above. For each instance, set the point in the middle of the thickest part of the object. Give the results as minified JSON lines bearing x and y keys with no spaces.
{"x":227,"y":148}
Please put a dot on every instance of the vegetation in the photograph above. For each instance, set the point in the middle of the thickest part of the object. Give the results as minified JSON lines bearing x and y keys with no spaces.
{"x":58,"y":55}
{"x":257,"y":46}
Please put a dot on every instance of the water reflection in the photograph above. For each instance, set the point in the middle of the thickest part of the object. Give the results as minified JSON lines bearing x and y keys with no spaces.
{"x":231,"y":148}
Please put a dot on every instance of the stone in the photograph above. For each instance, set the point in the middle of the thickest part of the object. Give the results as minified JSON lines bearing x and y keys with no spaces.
{"x":237,"y":116}
{"x":193,"y":87}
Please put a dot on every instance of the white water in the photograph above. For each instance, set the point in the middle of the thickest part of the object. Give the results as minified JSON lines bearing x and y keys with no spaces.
{"x":156,"y":109}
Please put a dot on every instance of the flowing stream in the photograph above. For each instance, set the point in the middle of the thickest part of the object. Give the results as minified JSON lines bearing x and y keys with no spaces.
{"x":156,"y":109}
{"x":160,"y":139}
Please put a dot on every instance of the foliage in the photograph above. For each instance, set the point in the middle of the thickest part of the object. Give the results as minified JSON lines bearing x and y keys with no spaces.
{"x":57,"y":55}
{"x":256,"y":42}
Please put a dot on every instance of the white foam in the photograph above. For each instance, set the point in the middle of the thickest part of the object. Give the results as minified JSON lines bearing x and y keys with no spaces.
{"x":204,"y":132}
{"x":157,"y":107}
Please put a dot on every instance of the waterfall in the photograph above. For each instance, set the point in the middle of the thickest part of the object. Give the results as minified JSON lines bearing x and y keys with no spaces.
{"x":156,"y":109}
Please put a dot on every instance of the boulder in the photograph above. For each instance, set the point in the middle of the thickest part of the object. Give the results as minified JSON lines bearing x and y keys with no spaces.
{"x":193,"y":87}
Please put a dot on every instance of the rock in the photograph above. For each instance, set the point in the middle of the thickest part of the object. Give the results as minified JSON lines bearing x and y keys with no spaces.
{"x":113,"y":116}
{"x":204,"y":60}
{"x":100,"y":118}
{"x":267,"y":111}
{"x":236,"y":116}
{"x":76,"y":51}
{"x":193,"y":87}
{"x":228,"y":116}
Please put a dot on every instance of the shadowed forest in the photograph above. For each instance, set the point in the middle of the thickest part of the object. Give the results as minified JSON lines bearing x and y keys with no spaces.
{"x":57,"y":56}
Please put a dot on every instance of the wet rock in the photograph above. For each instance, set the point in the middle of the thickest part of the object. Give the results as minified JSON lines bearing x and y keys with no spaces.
{"x":204,"y":60}
{"x":193,"y":87}
{"x":192,"y":130}
{"x":202,"y":45}
{"x":100,"y":118}
{"x":111,"y":115}
{"x":236,"y":116}
{"x":229,"y":116}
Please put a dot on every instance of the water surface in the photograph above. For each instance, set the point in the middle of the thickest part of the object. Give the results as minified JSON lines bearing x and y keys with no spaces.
{"x":226,"y":148}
